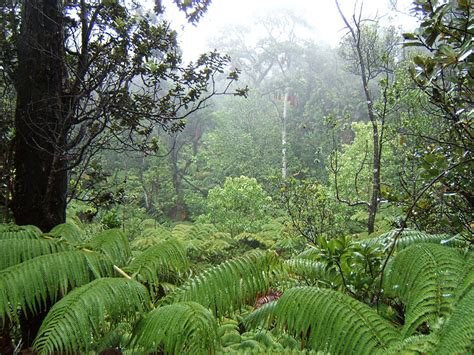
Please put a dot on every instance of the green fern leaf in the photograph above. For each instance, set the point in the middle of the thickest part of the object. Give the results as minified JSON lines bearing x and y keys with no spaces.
{"x":424,"y":277}
{"x":457,"y":333}
{"x":112,"y":243}
{"x":75,"y":321}
{"x":12,"y":231}
{"x":15,"y":251}
{"x":417,"y":344}
{"x":185,"y":327}
{"x":68,"y":231}
{"x":333,"y":322}
{"x":226,"y":287}
{"x":409,"y":237}
{"x":261,"y":317}
{"x":31,"y":284}
{"x":162,"y":262}
{"x":312,"y":271}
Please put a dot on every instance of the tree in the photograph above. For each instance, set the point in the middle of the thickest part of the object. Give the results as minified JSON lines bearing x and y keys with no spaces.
{"x":241,"y":205}
{"x":371,"y":54}
{"x":87,"y":73}
{"x":444,"y":72}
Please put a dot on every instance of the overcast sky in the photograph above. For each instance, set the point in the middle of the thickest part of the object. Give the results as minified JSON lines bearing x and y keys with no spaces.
{"x":320,"y":14}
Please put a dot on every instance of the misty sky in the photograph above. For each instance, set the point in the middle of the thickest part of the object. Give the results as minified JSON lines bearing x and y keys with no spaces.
{"x":322,"y":15}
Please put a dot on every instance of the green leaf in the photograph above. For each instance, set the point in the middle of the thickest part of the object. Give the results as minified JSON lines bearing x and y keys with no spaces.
{"x":33,"y":283}
{"x":184,"y":327}
{"x":226,"y":287}
{"x":73,"y":323}
{"x":333,"y":322}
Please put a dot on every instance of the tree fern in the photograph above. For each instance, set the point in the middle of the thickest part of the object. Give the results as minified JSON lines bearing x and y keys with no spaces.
{"x":77,"y":320}
{"x":112,"y":243}
{"x":409,"y":237}
{"x":226,"y":287}
{"x":11,"y":231}
{"x":261,"y":317}
{"x":15,"y":251}
{"x":162,"y":262}
{"x":68,"y":231}
{"x":31,"y":284}
{"x":185,"y":327}
{"x":312,"y":271}
{"x":417,"y":344}
{"x":424,"y":277}
{"x":457,"y":333}
{"x":333,"y":322}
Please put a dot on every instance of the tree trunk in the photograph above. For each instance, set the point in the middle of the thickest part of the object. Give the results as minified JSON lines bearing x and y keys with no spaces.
{"x":40,"y":176}
{"x":284,"y":167}
{"x":377,"y":151}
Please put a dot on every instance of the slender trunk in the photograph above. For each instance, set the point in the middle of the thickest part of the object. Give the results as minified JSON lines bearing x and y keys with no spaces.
{"x":40,"y":189}
{"x":374,"y":198}
{"x":284,"y":169}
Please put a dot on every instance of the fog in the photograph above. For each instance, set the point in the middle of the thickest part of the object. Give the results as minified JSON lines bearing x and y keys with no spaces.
{"x":325,"y":22}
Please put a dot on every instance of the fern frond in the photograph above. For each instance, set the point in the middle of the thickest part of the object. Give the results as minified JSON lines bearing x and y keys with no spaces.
{"x":75,"y":321}
{"x":333,"y":322}
{"x":113,"y":243}
{"x":226,"y":287}
{"x":201,"y":231}
{"x":409,"y":237}
{"x":424,"y":277}
{"x":312,"y":271}
{"x":185,"y":327}
{"x":457,"y":333}
{"x":159,"y":232}
{"x":12,"y":231}
{"x":181,"y":230}
{"x":117,"y":337}
{"x":417,"y":344}
{"x":15,"y":251}
{"x":261,"y":317}
{"x":68,"y":231}
{"x":31,"y":284}
{"x":162,"y":262}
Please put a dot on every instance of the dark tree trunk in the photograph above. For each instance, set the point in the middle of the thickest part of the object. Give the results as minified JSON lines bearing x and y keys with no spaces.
{"x":40,"y":175}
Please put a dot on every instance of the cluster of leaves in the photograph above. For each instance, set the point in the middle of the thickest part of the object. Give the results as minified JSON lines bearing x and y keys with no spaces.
{"x":241,"y":205}
{"x":144,"y":298}
{"x":444,"y":72}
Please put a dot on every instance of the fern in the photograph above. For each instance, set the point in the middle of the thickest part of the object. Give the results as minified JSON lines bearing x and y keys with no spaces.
{"x":457,"y":333}
{"x":333,"y":322}
{"x":417,"y":344}
{"x":15,"y":251}
{"x":76,"y":321}
{"x":261,"y":317}
{"x":112,"y":243}
{"x":409,"y":237}
{"x":185,"y":327}
{"x":162,"y":262}
{"x":226,"y":287}
{"x":424,"y":277}
{"x":68,"y":231}
{"x":33,"y":283}
{"x":11,"y":231}
{"x":312,"y":271}
{"x":117,"y":337}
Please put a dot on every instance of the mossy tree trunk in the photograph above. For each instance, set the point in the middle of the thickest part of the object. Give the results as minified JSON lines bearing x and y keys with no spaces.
{"x":40,"y":174}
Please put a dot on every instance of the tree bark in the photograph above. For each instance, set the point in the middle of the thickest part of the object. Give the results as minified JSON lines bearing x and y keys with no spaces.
{"x":40,"y":189}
